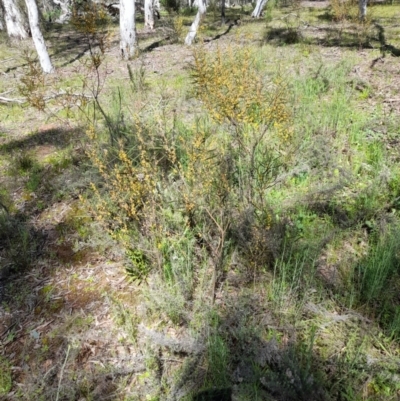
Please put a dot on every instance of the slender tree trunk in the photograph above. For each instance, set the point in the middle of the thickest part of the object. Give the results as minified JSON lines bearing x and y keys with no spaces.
{"x":38,"y":40}
{"x":148,"y":14}
{"x":127,"y":28}
{"x":259,"y":8}
{"x":363,"y":8}
{"x":156,"y":8}
{"x":14,"y":20}
{"x":202,"y":8}
{"x":1,"y":17}
{"x":222,"y":12}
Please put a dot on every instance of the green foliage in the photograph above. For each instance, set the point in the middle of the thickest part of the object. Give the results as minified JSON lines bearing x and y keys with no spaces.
{"x":217,"y":361}
{"x":379,"y":268}
{"x":178,"y":28}
{"x":92,"y":20}
{"x":231,"y":88}
{"x":297,"y":376}
{"x":137,"y":78}
{"x":124,"y":318}
{"x":24,"y":162}
{"x":5,"y":377}
{"x":172,"y":6}
{"x":19,"y":244}
{"x":33,"y":83}
{"x":139,"y":266}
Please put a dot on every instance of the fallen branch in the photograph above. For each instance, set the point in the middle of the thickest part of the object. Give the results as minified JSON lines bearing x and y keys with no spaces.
{"x":7,"y":59}
{"x":63,"y":93}
{"x":393,"y":100}
{"x":6,"y":100}
{"x":62,"y":373}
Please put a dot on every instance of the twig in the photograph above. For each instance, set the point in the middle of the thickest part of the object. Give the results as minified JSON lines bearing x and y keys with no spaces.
{"x":6,"y":100}
{"x":63,"y":93}
{"x":62,"y":372}
{"x":7,"y":59}
{"x":7,"y":330}
{"x":392,"y":100}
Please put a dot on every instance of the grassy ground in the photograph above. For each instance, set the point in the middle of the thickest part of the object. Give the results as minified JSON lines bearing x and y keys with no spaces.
{"x":229,"y":231}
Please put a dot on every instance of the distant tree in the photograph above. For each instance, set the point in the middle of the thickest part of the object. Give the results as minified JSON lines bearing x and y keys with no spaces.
{"x":202,"y":8}
{"x":127,"y":29}
{"x":259,"y":8}
{"x":14,"y":20}
{"x":222,"y":12}
{"x":1,"y":17}
{"x":149,"y":14}
{"x":38,"y":40}
{"x":65,"y":6}
{"x":363,"y":8}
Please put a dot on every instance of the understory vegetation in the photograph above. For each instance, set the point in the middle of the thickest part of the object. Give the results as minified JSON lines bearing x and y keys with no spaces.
{"x":249,"y":197}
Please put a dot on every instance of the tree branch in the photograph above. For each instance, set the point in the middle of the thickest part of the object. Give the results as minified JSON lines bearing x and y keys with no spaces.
{"x":6,"y":100}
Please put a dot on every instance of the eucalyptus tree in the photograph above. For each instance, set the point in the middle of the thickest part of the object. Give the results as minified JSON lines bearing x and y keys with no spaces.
{"x":1,"y":17}
{"x":149,"y":14}
{"x":65,"y":6}
{"x":362,"y":4}
{"x":201,"y":12}
{"x":127,"y":28}
{"x":38,"y":40}
{"x":258,"y":9}
{"x":14,"y":19}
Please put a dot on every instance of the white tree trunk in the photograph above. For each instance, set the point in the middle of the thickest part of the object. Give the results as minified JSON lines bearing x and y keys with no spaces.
{"x":202,"y":8}
{"x":65,"y":6}
{"x":157,"y":8}
{"x":37,"y":37}
{"x":1,"y":16}
{"x":14,"y":20}
{"x":127,"y":29}
{"x":363,"y":8}
{"x":259,"y":8}
{"x":148,"y":14}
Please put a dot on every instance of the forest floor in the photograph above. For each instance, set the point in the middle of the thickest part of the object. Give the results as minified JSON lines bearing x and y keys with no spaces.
{"x":73,"y":326}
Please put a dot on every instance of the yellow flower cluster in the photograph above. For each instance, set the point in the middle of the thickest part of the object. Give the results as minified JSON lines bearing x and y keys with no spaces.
{"x":92,"y":21}
{"x":33,"y":83}
{"x":232,"y":89}
{"x":89,"y":17}
{"x":127,"y":186}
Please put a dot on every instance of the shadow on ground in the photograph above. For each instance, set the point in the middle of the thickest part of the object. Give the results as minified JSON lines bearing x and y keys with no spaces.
{"x":39,"y":220}
{"x":348,"y":35}
{"x":53,"y":135}
{"x":248,"y":355}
